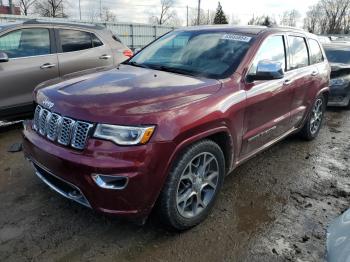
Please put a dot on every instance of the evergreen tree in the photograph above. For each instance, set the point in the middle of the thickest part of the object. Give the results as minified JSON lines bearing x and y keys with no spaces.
{"x":220,"y":17}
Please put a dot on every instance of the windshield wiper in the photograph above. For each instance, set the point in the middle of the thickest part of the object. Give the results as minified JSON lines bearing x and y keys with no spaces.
{"x":172,"y":70}
{"x":137,"y":64}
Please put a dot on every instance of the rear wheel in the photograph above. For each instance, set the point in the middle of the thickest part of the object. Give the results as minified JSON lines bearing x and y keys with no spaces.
{"x":314,"y":122}
{"x":192,"y":186}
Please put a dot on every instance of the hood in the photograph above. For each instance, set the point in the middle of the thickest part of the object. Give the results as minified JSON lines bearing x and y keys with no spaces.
{"x":123,"y":92}
{"x":339,"y":70}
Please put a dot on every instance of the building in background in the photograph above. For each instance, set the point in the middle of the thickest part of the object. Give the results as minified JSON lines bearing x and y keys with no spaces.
{"x":9,"y":9}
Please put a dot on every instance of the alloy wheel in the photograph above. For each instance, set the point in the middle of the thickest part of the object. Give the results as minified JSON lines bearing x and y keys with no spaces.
{"x":197,"y":185}
{"x":316,"y":116}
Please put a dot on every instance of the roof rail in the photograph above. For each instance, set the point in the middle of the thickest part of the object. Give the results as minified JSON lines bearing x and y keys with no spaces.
{"x":48,"y":21}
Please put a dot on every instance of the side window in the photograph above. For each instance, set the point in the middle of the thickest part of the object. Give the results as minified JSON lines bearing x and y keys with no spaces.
{"x":26,"y":42}
{"x":298,"y":52}
{"x":316,"y":55}
{"x":272,"y":49}
{"x":74,"y":40}
{"x":96,"y":42}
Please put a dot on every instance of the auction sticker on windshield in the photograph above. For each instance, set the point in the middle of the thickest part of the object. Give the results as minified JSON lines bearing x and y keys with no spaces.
{"x":233,"y":37}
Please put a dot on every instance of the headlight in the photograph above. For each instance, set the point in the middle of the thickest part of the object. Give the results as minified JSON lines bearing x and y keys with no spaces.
{"x":339,"y":81}
{"x":124,"y":135}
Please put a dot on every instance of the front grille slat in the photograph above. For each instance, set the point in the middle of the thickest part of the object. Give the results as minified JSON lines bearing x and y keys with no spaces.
{"x":66,"y":130}
{"x":63,"y":130}
{"x":80,"y":134}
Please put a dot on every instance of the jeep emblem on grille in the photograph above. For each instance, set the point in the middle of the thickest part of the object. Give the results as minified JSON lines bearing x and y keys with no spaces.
{"x":47,"y":103}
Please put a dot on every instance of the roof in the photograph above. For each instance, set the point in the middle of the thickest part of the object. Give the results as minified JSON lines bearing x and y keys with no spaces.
{"x":239,"y":29}
{"x":249,"y":29}
{"x":336,"y":45}
{"x":50,"y":22}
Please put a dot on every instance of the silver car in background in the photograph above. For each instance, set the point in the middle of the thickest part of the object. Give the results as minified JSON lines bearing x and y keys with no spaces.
{"x":35,"y":51}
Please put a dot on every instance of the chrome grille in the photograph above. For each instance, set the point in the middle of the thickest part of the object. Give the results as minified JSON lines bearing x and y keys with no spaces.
{"x":52,"y":126}
{"x":36,"y":118}
{"x":81,"y":131}
{"x":43,"y":115}
{"x":64,"y":130}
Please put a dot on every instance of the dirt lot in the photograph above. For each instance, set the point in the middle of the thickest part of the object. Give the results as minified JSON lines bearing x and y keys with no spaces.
{"x":276,"y":207}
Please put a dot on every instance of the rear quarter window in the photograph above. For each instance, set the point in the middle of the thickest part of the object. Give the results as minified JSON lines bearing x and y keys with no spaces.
{"x":298,"y":52}
{"x":316,"y":55}
{"x":74,"y":40}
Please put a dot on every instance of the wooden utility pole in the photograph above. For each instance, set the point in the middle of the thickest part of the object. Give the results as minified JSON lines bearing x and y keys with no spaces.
{"x":199,"y":12}
{"x":187,"y":15}
{"x":12,"y":9}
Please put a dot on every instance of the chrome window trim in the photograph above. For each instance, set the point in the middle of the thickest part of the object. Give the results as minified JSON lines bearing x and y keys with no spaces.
{"x":81,"y":30}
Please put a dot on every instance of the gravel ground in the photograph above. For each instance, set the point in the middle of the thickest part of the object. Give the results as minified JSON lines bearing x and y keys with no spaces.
{"x":276,"y":207}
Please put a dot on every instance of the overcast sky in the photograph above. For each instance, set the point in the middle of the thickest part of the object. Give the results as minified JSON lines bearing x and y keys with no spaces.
{"x":139,"y":11}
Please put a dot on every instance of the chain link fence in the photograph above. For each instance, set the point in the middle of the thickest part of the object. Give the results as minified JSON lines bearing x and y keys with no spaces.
{"x":133,"y":35}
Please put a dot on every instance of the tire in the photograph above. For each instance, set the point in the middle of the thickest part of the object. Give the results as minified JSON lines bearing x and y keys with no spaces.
{"x":185,"y":201}
{"x":314,"y":122}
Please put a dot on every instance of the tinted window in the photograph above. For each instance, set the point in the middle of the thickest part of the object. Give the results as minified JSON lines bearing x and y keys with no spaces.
{"x":26,"y":42}
{"x":116,"y":38}
{"x":272,"y":49}
{"x":338,"y":55}
{"x":298,"y":52}
{"x":96,"y":41}
{"x":316,"y":55}
{"x":73,"y":40}
{"x":210,"y":54}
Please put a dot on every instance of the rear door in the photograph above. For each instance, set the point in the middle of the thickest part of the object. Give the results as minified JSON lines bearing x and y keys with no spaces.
{"x":80,"y":50}
{"x":303,"y":76}
{"x":267,"y":115}
{"x":32,"y":60}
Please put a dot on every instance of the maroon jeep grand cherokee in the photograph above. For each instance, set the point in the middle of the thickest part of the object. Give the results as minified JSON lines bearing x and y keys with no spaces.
{"x":166,"y":126}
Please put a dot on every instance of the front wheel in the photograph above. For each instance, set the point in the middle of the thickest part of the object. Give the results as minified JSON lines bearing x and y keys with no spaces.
{"x":314,"y":121}
{"x":192,"y":186}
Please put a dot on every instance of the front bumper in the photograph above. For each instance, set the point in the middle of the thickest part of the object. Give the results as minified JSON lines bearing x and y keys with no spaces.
{"x":69,"y":172}
{"x":339,"y":95}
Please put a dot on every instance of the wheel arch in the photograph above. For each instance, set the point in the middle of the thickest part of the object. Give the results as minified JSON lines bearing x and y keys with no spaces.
{"x":221,"y":135}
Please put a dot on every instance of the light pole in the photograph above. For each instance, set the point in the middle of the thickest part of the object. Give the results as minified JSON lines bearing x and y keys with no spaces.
{"x":101,"y":10}
{"x":79,"y":10}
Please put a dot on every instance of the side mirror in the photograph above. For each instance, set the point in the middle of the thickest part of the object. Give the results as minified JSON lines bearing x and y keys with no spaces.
{"x":3,"y":57}
{"x":268,"y":70}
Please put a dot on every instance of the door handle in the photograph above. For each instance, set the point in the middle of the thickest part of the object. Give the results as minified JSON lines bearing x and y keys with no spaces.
{"x":287,"y":82}
{"x":105,"y":57}
{"x":47,"y":66}
{"x":314,"y":73}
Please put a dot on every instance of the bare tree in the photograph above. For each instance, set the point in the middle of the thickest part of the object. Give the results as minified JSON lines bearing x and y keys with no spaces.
{"x":108,"y":15}
{"x":290,"y":18}
{"x":93,"y":15}
{"x":204,"y":17}
{"x":235,"y":20}
{"x":311,"y":19}
{"x":262,"y":20}
{"x":328,"y":17}
{"x":335,"y":11}
{"x":51,"y":8}
{"x":166,"y":12}
{"x":26,"y":5}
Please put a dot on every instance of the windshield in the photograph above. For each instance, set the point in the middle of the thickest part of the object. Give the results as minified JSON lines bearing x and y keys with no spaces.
{"x":340,"y":55}
{"x":210,"y":54}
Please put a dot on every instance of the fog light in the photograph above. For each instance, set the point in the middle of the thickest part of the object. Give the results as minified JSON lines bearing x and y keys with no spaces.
{"x":110,"y":182}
